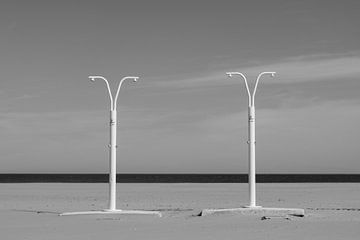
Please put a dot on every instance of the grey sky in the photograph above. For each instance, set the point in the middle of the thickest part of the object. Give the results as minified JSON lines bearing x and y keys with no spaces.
{"x":184,"y":115}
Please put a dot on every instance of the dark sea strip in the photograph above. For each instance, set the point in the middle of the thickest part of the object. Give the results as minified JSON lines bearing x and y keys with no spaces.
{"x":178,"y":178}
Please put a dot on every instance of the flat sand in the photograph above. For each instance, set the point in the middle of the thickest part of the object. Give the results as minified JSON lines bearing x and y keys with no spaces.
{"x":30,"y":211}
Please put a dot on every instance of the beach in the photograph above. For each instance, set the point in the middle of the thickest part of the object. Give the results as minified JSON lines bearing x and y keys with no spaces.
{"x":30,"y":211}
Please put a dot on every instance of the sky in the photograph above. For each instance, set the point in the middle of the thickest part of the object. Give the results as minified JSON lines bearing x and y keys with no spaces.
{"x":184,"y":115}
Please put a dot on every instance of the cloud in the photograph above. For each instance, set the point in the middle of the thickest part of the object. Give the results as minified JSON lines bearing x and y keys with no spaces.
{"x":306,"y":68}
{"x":310,"y":69}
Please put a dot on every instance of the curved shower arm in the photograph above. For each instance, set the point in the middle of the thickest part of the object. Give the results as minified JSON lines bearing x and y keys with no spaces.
{"x":256,"y":84}
{"x":93,"y":78}
{"x":119,"y":86}
{"x":230,"y":74}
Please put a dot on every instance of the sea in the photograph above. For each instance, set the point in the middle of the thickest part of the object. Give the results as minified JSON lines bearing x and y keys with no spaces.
{"x":177,"y":178}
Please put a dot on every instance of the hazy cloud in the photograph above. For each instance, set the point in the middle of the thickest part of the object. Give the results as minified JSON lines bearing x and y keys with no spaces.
{"x":292,"y":70}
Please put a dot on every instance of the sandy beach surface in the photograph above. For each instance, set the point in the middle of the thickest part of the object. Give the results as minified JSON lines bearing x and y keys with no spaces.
{"x":30,"y":211}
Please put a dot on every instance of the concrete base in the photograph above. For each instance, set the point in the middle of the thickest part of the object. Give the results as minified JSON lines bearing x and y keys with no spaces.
{"x":259,"y":211}
{"x":252,"y":207}
{"x":116,"y":211}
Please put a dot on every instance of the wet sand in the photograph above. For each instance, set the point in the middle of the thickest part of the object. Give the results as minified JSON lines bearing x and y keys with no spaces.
{"x":30,"y":211}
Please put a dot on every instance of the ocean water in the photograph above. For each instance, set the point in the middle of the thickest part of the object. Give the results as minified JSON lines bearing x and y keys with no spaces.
{"x":178,"y":178}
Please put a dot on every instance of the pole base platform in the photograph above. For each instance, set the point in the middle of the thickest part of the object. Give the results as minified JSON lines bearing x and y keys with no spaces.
{"x":257,"y":210}
{"x":254,"y":207}
{"x":110,"y":211}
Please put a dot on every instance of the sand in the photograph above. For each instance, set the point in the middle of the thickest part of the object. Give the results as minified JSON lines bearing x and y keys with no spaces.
{"x":30,"y":211}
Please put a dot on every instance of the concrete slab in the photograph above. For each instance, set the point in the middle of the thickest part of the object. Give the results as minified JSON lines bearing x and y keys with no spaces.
{"x":117,"y":211}
{"x":259,"y":211}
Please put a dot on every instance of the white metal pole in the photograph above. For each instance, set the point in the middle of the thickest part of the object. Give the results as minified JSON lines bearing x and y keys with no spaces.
{"x":112,"y":161}
{"x":252,"y":208}
{"x":251,"y":155}
{"x":113,"y":146}
{"x":112,"y":175}
{"x":251,"y":136}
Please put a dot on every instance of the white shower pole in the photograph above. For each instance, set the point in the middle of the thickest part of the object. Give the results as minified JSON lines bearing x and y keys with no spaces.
{"x":252,"y":208}
{"x":112,"y":145}
{"x":112,"y":163}
{"x":251,"y":135}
